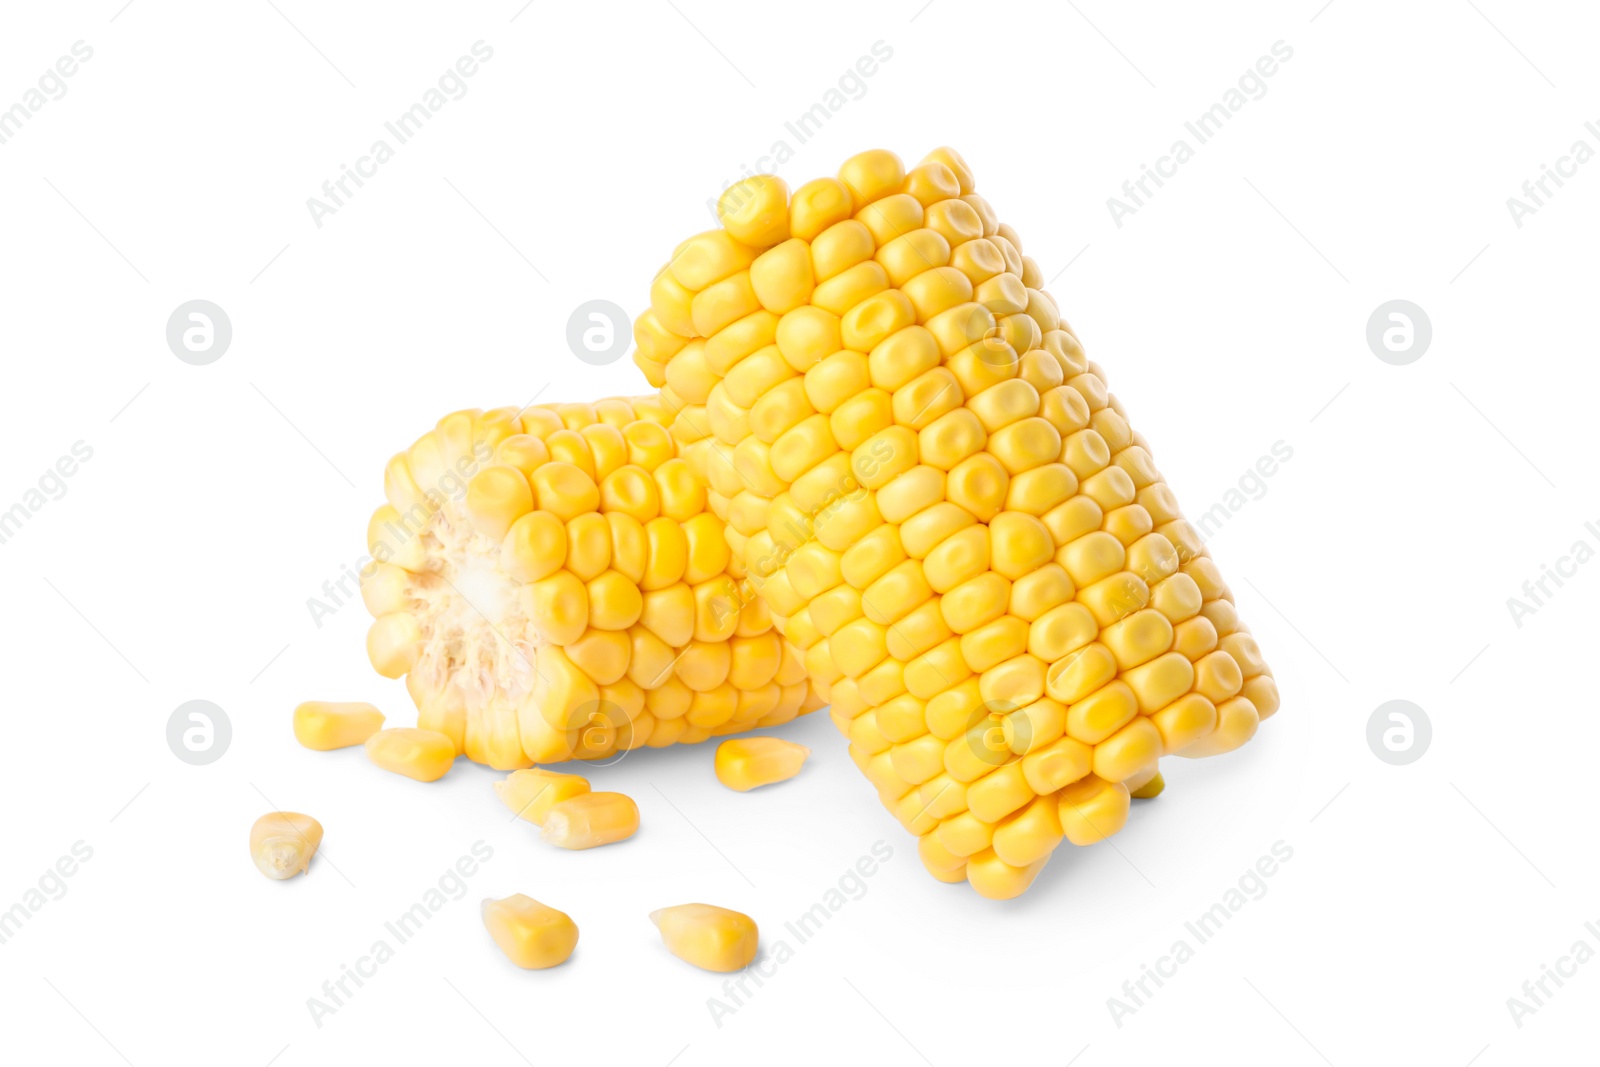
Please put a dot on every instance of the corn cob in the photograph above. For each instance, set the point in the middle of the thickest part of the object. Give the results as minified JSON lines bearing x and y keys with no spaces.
{"x":940,"y":503}
{"x":551,"y":586}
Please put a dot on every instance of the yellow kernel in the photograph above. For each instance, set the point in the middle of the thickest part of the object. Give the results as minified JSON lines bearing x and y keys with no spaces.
{"x":747,"y":762}
{"x":283,"y":842}
{"x":995,"y":879}
{"x":1139,"y":638}
{"x":1029,"y":835}
{"x":872,"y":175}
{"x":497,"y":497}
{"x":325,"y":726}
{"x":817,"y":205}
{"x":588,"y":820}
{"x":531,"y":793}
{"x":534,"y":548}
{"x":1133,"y":748}
{"x":1102,"y":713}
{"x":709,"y":937}
{"x":1019,"y":543}
{"x":420,"y":754}
{"x":394,"y":643}
{"x":1092,"y":809}
{"x":979,"y":484}
{"x":532,"y":935}
{"x":755,"y":211}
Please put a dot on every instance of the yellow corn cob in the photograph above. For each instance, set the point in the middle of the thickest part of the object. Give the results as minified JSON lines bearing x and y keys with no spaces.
{"x":552,"y":586}
{"x":931,"y":488}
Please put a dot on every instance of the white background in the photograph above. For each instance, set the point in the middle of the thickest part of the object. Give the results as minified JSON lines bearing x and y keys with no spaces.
{"x":1230,"y":313}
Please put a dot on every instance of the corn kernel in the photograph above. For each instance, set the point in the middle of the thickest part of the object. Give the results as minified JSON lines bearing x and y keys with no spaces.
{"x":709,"y":937}
{"x":283,"y":842}
{"x":531,"y":793}
{"x":588,"y":820}
{"x":532,"y":935}
{"x":325,"y":726}
{"x":420,"y":754}
{"x":748,"y":762}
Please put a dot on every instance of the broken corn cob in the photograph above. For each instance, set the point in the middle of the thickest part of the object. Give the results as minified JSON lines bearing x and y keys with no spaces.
{"x":930,"y":487}
{"x":711,"y":938}
{"x":552,"y":587}
{"x":532,"y":935}
{"x":325,"y":726}
{"x":747,"y":762}
{"x":283,"y":842}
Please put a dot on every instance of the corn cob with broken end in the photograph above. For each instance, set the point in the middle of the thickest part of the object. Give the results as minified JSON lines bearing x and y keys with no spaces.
{"x":552,"y":587}
{"x":943,"y":507}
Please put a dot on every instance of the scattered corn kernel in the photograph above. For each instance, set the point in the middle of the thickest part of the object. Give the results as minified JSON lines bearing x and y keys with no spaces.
{"x":711,"y":938}
{"x":748,"y":762}
{"x":532,"y":935}
{"x":326,"y":726}
{"x":421,"y":754}
{"x":283,"y":842}
{"x":591,"y":819}
{"x":531,"y":793}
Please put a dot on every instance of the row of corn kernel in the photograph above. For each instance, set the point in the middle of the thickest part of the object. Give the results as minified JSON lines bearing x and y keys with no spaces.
{"x":917,"y":395}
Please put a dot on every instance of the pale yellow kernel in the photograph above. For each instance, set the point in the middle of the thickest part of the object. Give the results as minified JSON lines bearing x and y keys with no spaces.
{"x":324,"y":726}
{"x":531,"y":793}
{"x":283,"y":842}
{"x":394,"y":643}
{"x":588,"y":820}
{"x":709,"y":937}
{"x":420,"y":754}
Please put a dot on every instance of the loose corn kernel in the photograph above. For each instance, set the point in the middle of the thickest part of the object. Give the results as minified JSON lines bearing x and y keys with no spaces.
{"x":711,"y":938}
{"x":748,"y":762}
{"x":420,"y":754}
{"x":532,"y":935}
{"x":325,"y":726}
{"x":588,"y":820}
{"x":531,"y":793}
{"x":283,"y":842}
